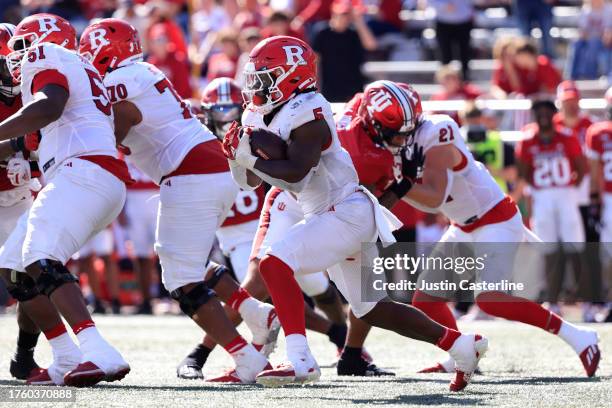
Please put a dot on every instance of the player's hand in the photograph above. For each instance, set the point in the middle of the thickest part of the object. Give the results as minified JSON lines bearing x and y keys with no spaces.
{"x":32,"y":141}
{"x":244,"y":155}
{"x":412,"y":161}
{"x":18,"y":172}
{"x":231,"y":140}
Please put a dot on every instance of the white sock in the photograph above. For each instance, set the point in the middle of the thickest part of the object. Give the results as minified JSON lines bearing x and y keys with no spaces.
{"x":448,"y":364}
{"x":64,"y":348}
{"x":577,"y":337}
{"x":249,"y":309}
{"x":297,"y":345}
{"x":91,"y":340}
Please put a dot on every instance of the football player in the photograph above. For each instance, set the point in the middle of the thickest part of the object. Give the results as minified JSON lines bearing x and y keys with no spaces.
{"x":221,"y":105}
{"x":339,"y":214}
{"x":599,"y":151}
{"x":64,"y":99}
{"x":553,"y":164}
{"x":15,"y":199}
{"x":462,"y":189}
{"x":167,"y":143}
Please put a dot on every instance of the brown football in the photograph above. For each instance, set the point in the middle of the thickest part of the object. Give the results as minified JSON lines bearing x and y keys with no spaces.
{"x":267,"y":145}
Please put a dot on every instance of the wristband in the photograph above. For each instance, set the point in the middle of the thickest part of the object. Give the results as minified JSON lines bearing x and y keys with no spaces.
{"x":400,"y":189}
{"x":18,"y":144}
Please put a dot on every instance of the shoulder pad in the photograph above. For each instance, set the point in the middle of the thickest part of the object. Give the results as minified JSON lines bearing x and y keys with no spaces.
{"x":437,"y":130}
{"x":135,"y":79}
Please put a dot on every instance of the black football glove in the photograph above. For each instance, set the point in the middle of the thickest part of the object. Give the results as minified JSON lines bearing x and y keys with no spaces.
{"x":412,"y":161}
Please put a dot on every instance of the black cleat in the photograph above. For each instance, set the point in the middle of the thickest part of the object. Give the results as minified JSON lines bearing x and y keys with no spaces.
{"x":22,"y":364}
{"x":360,"y":367}
{"x":191,"y":366}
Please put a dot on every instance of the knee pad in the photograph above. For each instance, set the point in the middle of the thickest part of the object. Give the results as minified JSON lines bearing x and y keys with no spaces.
{"x":191,"y":301}
{"x":22,"y":287}
{"x":217,"y":273}
{"x":53,"y":274}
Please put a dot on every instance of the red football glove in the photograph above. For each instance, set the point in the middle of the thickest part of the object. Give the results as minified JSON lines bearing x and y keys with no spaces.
{"x":32,"y":141}
{"x":231,"y":140}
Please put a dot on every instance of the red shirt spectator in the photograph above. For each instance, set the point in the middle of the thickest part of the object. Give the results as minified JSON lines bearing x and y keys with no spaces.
{"x":172,"y":62}
{"x":531,"y":81}
{"x":453,"y":88}
{"x":225,"y":63}
{"x":172,"y":31}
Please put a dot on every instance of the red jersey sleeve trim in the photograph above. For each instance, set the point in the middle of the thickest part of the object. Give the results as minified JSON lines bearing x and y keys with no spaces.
{"x":49,"y":77}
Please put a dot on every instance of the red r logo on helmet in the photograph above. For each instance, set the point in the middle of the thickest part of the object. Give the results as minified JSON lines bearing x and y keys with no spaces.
{"x":294,"y":55}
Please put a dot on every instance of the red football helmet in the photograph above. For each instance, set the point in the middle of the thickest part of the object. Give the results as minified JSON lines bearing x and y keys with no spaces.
{"x":278,"y":69}
{"x":8,"y":88}
{"x":110,"y":43}
{"x":221,"y":105}
{"x":37,"y":29}
{"x":391,"y":109}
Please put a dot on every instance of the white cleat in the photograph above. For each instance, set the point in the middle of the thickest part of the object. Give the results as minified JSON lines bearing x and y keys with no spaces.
{"x":103,"y":365}
{"x":265,"y":326}
{"x":305,"y":370}
{"x":54,"y":375}
{"x":467,"y":351}
{"x":249,"y":363}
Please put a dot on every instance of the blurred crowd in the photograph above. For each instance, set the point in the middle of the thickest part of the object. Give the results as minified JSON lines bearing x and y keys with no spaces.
{"x":196,"y":41}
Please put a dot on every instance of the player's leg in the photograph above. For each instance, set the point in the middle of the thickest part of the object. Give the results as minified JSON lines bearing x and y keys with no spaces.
{"x":85,"y":264}
{"x":354,"y":360}
{"x":406,"y":320}
{"x":572,"y":236}
{"x":285,"y":258}
{"x":42,"y":312}
{"x":104,"y":246}
{"x":583,"y":341}
{"x":79,"y":201}
{"x":22,"y":362}
{"x":190,"y":211}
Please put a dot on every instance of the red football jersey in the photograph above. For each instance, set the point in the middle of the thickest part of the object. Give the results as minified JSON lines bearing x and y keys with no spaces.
{"x":247,"y":207}
{"x":599,"y":146}
{"x":5,"y":112}
{"x":375,"y":164}
{"x":550,"y":164}
{"x":578,"y":131}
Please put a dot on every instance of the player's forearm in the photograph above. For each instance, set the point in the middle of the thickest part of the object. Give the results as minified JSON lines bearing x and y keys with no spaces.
{"x":388,"y":199}
{"x":282,"y":169}
{"x":595,"y":186}
{"x":32,"y":117}
{"x":426,"y":195}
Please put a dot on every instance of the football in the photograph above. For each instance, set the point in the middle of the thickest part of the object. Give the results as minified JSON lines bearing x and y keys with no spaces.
{"x":267,"y":145}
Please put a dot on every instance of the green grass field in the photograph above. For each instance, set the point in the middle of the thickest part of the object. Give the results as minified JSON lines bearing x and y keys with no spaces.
{"x":524,"y":367}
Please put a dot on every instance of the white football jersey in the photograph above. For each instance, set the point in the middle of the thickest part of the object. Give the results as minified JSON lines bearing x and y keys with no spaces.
{"x":86,"y":125}
{"x":168,"y":130}
{"x":334,"y":178}
{"x":471,"y":190}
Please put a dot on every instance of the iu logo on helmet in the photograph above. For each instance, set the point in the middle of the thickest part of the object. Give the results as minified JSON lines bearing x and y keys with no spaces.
{"x":380,"y":101}
{"x":97,"y":39}
{"x":294,"y":55}
{"x":48,"y":25}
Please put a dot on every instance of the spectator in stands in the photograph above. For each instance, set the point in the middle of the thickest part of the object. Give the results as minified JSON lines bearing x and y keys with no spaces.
{"x":520,"y":70}
{"x":163,"y":13}
{"x":165,"y":55}
{"x":224,"y":63}
{"x":309,"y":13}
{"x":249,"y":15}
{"x":341,"y":45}
{"x":136,"y":15}
{"x":453,"y":28}
{"x":591,"y":55}
{"x":528,"y":12}
{"x":248,"y":40}
{"x":453,"y":87}
{"x":279,"y":23}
